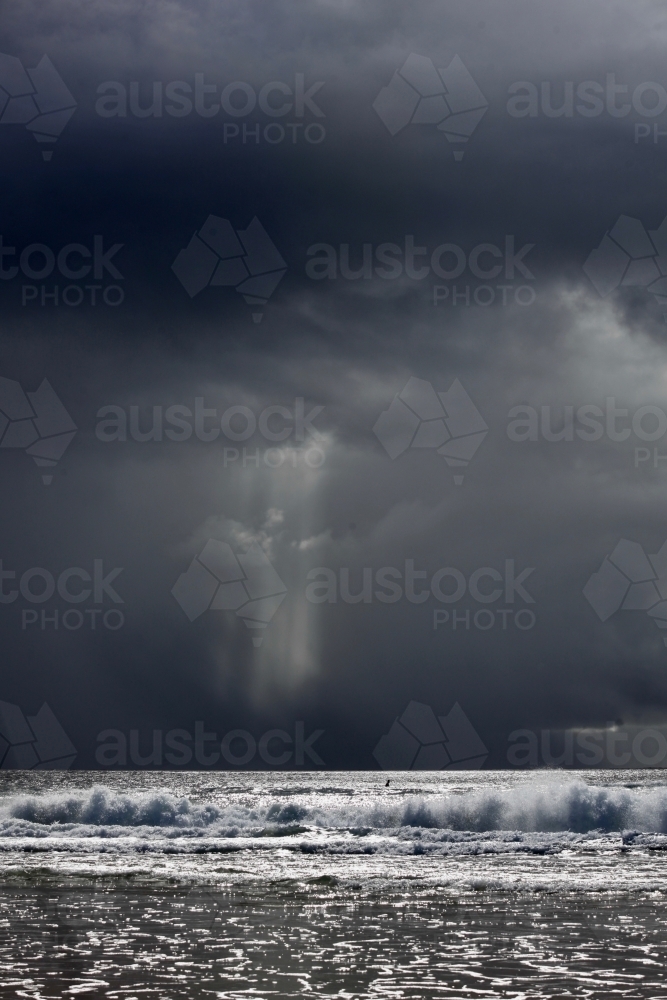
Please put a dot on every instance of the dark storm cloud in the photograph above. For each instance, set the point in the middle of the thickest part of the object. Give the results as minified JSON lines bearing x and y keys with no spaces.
{"x":328,"y":496}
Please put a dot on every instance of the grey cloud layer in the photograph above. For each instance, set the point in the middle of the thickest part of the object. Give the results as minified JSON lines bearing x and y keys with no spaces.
{"x":349,"y":346}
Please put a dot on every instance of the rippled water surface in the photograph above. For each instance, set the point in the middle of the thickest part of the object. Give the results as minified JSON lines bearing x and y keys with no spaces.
{"x":462,"y":884}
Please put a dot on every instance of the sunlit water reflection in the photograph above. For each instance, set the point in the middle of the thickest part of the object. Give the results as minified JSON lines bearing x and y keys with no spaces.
{"x":264,"y":885}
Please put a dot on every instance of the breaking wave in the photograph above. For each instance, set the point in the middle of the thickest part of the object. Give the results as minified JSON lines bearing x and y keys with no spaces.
{"x":539,"y":807}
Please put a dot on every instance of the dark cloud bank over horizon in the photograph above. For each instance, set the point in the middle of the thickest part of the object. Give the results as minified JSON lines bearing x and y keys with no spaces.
{"x":525,"y":365}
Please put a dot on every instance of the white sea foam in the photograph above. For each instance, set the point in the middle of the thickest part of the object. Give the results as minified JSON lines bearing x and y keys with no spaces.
{"x":535,"y":816}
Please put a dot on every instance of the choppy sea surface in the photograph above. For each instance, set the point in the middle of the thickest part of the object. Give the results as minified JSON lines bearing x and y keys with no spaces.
{"x":270,"y":885}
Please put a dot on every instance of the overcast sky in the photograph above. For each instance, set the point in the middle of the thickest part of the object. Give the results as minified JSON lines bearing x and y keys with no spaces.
{"x":485,"y":283}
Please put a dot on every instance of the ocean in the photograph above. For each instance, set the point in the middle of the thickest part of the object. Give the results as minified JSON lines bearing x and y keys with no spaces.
{"x":147,"y":885}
